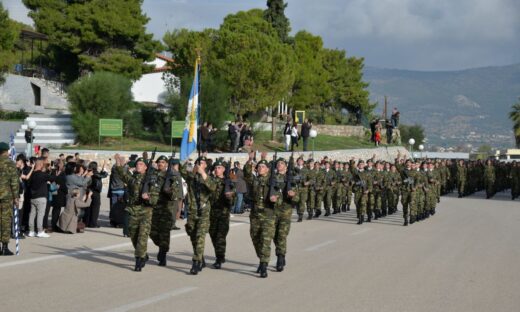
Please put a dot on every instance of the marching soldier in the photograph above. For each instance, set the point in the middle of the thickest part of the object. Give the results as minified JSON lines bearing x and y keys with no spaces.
{"x":489,"y":179}
{"x":139,"y":208}
{"x":311,"y":184}
{"x":461,"y":177}
{"x":262,"y":215}
{"x":221,"y":203}
{"x":200,"y":188}
{"x":330,"y":187}
{"x":348,"y":180}
{"x":339,"y":191}
{"x":408,"y":193}
{"x":302,"y":173}
{"x":362,"y":187}
{"x":319,"y":187}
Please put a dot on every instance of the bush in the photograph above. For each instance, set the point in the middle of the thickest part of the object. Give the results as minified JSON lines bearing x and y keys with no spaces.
{"x":19,"y":115}
{"x":99,"y":95}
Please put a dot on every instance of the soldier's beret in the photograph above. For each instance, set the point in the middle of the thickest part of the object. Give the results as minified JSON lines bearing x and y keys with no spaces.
{"x":281,"y":159}
{"x":201,"y":158}
{"x":176,"y":161}
{"x":4,"y":146}
{"x":218,"y":162}
{"x":162,"y":157}
{"x":361,"y":161}
{"x":140,"y":159}
{"x":263,"y":162}
{"x":310,"y":160}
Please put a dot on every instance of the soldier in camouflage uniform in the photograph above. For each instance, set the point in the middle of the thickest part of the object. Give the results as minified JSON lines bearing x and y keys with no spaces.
{"x":163,"y":213}
{"x":394,"y":183}
{"x":339,"y":191}
{"x":348,"y":180}
{"x":408,"y":192}
{"x":461,"y":177}
{"x":515,"y":180}
{"x":9,"y":197}
{"x":139,"y":209}
{"x":378,"y":181}
{"x":371,"y":203}
{"x":489,"y":179}
{"x":362,"y":187}
{"x":302,"y":173}
{"x":329,"y":187}
{"x":311,"y":185}
{"x":319,"y":187}
{"x":221,"y":203}
{"x":262,"y":216}
{"x":200,"y":188}
{"x":285,"y":197}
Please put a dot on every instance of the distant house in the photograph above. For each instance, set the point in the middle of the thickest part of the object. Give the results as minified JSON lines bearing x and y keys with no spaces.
{"x":151,"y":88}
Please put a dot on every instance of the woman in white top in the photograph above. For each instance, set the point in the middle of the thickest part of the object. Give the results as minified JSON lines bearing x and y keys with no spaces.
{"x":294,"y":135}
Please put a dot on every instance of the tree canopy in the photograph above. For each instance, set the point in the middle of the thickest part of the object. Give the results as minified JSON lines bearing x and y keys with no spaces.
{"x":8,"y":35}
{"x":275,"y":14}
{"x":94,"y":35}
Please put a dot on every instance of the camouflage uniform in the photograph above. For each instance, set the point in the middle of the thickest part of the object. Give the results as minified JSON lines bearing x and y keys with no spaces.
{"x":378,"y":180}
{"x":348,"y":180}
{"x":408,"y":198}
{"x":283,"y":212}
{"x":303,"y":177}
{"x":461,"y":179}
{"x":219,"y":217}
{"x":329,"y":189}
{"x":139,"y":212}
{"x":319,"y":190}
{"x":197,"y":225}
{"x":9,"y":193}
{"x":339,"y":191}
{"x":262,"y":216}
{"x":311,"y":201}
{"x":362,"y":187}
{"x":162,"y":218}
{"x":489,"y":174}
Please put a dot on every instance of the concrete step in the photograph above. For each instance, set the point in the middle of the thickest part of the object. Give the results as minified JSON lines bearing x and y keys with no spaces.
{"x":50,"y":134}
{"x":51,"y":127}
{"x":45,"y":141}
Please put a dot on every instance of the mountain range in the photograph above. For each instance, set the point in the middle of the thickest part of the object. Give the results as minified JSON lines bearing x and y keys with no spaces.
{"x":455,"y":108}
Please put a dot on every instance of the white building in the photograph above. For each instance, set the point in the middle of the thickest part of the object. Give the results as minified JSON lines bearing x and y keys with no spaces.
{"x":151,"y":87}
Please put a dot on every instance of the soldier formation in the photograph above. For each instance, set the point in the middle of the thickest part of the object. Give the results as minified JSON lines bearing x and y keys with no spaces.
{"x":275,"y":188}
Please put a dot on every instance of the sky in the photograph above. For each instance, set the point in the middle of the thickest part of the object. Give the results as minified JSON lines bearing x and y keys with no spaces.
{"x":403,"y":34}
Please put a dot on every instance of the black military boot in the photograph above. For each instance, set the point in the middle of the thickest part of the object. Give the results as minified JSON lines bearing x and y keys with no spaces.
{"x":405,"y":222}
{"x":144,"y":260}
{"x":300,"y":217}
{"x":309,"y":217}
{"x":412,"y":220}
{"x":202,"y":264}
{"x":360,"y":220}
{"x":5,"y":250}
{"x":195,"y":267}
{"x":280,"y":263}
{"x":376,"y":215}
{"x":327,"y":213}
{"x":138,"y":264}
{"x":344,"y":208}
{"x":369,"y":219}
{"x":161,"y":257}
{"x":218,"y":263}
{"x":263,"y":269}
{"x":348,"y":207}
{"x":317,"y":214}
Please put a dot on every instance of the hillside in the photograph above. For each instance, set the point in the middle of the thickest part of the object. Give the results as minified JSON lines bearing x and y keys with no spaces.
{"x":455,"y":107}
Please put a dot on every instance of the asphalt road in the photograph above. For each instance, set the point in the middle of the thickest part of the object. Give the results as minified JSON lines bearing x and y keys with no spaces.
{"x":465,"y":258}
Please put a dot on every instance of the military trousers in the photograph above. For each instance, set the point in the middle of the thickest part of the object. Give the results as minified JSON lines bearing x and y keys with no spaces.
{"x":219,"y":229}
{"x":162,"y":222}
{"x":282,"y":227}
{"x":361,"y":200}
{"x":139,"y":226}
{"x":304,"y":197}
{"x":197,"y":227}
{"x":262,"y":228}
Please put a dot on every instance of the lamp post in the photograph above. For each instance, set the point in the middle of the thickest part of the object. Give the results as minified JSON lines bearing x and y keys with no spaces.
{"x":421,"y":147}
{"x":313,"y":134}
{"x":411,"y":142}
{"x":31,"y":126}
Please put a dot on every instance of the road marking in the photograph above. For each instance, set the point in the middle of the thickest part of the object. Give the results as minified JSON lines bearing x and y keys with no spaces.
{"x":316,"y":247}
{"x":143,"y":303}
{"x":90,"y":251}
{"x":359,"y":232}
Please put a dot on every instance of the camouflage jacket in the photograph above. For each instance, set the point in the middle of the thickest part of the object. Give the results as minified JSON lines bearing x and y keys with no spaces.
{"x":9,"y":182}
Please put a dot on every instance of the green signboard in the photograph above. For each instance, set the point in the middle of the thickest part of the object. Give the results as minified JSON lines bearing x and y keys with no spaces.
{"x":111,"y":127}
{"x":177,"y":128}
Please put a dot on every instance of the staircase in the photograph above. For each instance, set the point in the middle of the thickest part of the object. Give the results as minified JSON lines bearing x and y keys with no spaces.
{"x":51,"y":131}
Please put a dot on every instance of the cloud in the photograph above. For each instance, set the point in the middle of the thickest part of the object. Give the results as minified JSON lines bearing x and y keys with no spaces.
{"x":410,"y":34}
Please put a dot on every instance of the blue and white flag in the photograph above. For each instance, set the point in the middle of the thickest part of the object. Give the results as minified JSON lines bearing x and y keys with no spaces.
{"x":190,"y":134}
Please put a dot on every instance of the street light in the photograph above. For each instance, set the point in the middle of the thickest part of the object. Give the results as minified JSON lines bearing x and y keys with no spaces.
{"x":313,"y":134}
{"x":31,"y":125}
{"x":411,"y":142}
{"x":421,"y":147}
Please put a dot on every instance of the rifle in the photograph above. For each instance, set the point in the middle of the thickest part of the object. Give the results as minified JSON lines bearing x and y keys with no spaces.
{"x":147,"y":175}
{"x":359,"y":182}
{"x":272,"y":177}
{"x":227,"y":178}
{"x":169,"y":173}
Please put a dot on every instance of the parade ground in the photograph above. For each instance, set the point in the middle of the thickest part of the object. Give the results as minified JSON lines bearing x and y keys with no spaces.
{"x":465,"y":258}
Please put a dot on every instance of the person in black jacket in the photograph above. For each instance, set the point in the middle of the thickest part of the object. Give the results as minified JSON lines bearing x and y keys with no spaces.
{"x":96,"y":186}
{"x":306,"y":130}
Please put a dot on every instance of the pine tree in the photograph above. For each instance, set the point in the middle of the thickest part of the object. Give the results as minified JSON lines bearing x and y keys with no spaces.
{"x":275,"y":14}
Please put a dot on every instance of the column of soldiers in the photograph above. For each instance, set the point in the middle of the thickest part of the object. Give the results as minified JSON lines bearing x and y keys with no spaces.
{"x":275,"y":188}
